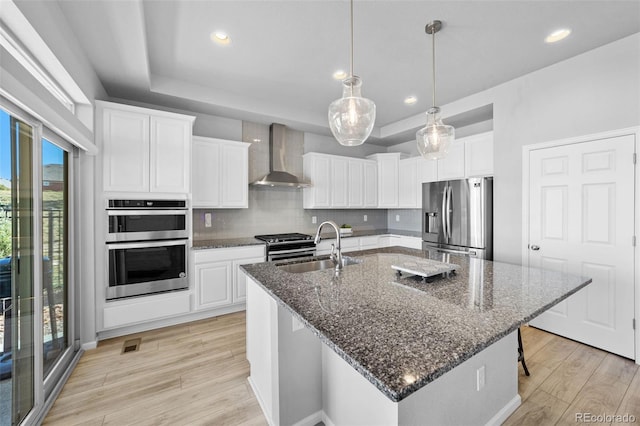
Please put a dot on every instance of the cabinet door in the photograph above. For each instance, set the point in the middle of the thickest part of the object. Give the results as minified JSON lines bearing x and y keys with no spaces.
{"x":339,"y":182}
{"x":356,"y":183}
{"x":479,"y":155}
{"x":125,"y":151}
{"x":235,"y":175}
{"x":206,"y":174}
{"x":370,"y":184}
{"x":317,"y":170}
{"x":170,"y":151}
{"x":408,"y":183}
{"x":388,"y":182}
{"x":452,"y":166}
{"x":427,"y":170}
{"x":240,"y":278}
{"x":213,"y":284}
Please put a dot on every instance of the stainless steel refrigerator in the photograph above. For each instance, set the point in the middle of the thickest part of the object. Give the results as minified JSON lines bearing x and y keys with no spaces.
{"x":457,"y":216}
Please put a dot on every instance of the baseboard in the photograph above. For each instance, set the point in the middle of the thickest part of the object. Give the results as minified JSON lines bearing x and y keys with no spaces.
{"x":505,"y":412}
{"x":311,"y":420}
{"x":326,"y":420}
{"x":260,"y":402}
{"x":89,"y":345}
{"x":168,"y":322}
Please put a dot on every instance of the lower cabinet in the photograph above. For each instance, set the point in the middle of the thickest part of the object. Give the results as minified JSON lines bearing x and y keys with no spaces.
{"x":369,"y":242}
{"x":218,"y":280}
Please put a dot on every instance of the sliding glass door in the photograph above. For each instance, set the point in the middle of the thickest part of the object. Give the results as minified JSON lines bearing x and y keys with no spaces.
{"x":36,"y":295}
{"x":18,"y":377}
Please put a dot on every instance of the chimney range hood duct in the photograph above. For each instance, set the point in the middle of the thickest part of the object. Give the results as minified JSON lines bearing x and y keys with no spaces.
{"x":278,"y":175}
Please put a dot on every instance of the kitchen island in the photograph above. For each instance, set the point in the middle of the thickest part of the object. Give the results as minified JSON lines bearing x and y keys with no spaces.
{"x":367,"y":346}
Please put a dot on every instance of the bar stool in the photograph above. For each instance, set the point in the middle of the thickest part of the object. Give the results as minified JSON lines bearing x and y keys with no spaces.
{"x":521,"y":354}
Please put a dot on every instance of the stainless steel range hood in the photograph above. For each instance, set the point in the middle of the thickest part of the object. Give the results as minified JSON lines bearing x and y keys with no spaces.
{"x":278,"y":174}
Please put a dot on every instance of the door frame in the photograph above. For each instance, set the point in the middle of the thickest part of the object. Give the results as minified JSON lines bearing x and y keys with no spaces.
{"x":526,"y":151}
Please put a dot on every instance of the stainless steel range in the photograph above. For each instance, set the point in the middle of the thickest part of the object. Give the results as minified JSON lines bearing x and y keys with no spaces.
{"x":288,"y":246}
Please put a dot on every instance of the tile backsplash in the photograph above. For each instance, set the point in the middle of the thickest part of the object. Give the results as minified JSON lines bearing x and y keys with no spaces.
{"x":277,"y":210}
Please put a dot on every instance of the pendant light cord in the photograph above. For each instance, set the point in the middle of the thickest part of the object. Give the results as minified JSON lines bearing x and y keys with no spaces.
{"x":351,"y":62}
{"x":433,"y":62}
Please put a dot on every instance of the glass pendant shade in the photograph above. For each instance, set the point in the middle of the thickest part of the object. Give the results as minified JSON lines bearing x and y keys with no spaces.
{"x":435,"y":138}
{"x":351,"y":117}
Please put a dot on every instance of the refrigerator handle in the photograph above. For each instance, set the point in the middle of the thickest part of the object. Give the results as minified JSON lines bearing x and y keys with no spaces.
{"x":444,"y":212}
{"x":449,"y":195}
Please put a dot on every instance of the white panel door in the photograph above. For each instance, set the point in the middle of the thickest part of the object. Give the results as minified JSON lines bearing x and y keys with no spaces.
{"x":206,"y":173}
{"x":170,"y":148}
{"x":125,"y":151}
{"x":240,"y":278}
{"x":581,"y":222}
{"x":356,"y":183}
{"x":339,"y":182}
{"x":452,"y":165}
{"x":213,"y":284}
{"x":408,"y":184}
{"x":370,"y":184}
{"x":235,"y":176}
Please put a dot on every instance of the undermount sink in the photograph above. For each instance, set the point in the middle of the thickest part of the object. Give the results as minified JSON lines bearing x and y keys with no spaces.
{"x":316,"y":265}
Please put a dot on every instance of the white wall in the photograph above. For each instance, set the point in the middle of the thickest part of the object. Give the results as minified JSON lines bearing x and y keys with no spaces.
{"x":328,"y":145}
{"x":593,"y":92}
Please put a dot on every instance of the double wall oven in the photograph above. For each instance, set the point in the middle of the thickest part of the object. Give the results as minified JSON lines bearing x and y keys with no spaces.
{"x":147,"y":247}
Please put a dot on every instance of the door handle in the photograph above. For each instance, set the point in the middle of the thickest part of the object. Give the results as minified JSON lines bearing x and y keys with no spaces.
{"x":535,"y":248}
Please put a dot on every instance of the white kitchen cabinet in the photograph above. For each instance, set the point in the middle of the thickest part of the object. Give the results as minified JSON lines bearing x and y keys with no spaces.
{"x":370,"y":242}
{"x":370,"y":183}
{"x":405,"y":241}
{"x":427,"y":170}
{"x":144,"y":150}
{"x":136,"y":310}
{"x":317,"y":170}
{"x":452,"y":165}
{"x":218,"y":281}
{"x":408,"y":194}
{"x":220,"y":173}
{"x":479,"y":155}
{"x":240,"y":278}
{"x":339,"y":182}
{"x":356,"y":183}
{"x":214,"y":284}
{"x":388,"y":178}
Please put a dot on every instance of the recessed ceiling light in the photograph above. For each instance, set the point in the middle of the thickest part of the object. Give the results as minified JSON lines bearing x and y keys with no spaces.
{"x":220,"y":37}
{"x":256,"y":140}
{"x":410,"y":100}
{"x":340,"y":75}
{"x":557,"y":35}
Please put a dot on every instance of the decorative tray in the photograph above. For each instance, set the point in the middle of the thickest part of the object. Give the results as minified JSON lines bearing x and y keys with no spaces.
{"x":422,"y":267}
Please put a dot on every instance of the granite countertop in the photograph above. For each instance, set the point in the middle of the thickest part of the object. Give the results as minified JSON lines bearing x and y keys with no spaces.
{"x":225,"y":243}
{"x":401,"y":333}
{"x":214,"y":243}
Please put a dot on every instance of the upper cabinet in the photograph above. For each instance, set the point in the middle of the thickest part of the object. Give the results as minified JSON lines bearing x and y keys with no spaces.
{"x":220,"y":173}
{"x":144,"y":150}
{"x":468,"y":157}
{"x":339,"y":182}
{"x":478,"y":151}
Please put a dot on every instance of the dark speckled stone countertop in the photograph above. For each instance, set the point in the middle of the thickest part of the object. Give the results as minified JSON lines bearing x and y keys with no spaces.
{"x":250,"y":241}
{"x":401,"y":333}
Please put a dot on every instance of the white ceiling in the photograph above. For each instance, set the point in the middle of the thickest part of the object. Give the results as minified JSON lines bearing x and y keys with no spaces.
{"x":279,"y":63}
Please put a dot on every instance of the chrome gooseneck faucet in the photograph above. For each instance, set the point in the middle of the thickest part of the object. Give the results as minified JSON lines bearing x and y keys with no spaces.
{"x":336,"y":252}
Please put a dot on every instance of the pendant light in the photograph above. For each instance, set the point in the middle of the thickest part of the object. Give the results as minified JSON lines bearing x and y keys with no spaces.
{"x":435,"y":138}
{"x":351,"y":117}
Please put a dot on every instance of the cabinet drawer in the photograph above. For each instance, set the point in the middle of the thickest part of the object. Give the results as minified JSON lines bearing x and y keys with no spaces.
{"x":231,"y":253}
{"x":121,"y":313}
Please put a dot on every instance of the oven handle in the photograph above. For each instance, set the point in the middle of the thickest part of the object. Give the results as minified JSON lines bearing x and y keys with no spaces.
{"x":145,"y":212}
{"x":145,"y":244}
{"x":298,"y":250}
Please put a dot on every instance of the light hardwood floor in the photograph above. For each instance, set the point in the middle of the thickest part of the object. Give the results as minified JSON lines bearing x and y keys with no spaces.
{"x":196,"y":374}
